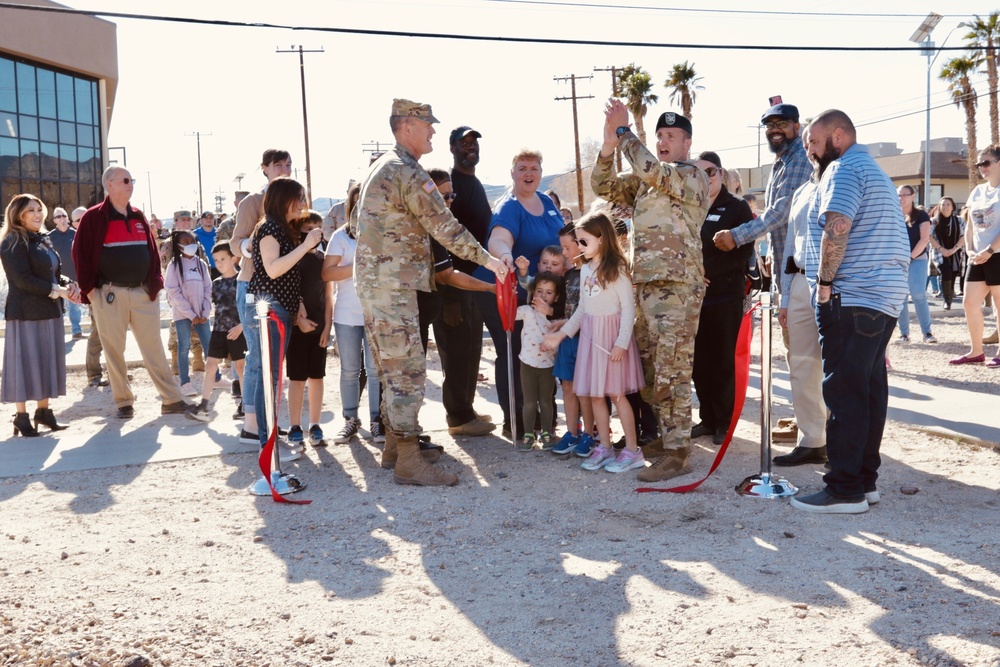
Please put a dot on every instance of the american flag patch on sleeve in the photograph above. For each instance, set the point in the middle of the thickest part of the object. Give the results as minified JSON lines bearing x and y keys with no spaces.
{"x":429,"y":187}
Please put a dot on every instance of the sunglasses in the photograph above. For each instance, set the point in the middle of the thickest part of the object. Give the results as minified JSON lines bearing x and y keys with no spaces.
{"x":583,"y":242}
{"x":59,"y":217}
{"x":985,"y":163}
{"x":128,"y":181}
{"x":449,"y":197}
{"x":712,"y":172}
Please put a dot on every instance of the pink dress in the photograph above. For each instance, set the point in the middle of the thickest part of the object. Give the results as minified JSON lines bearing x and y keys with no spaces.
{"x":605,"y":319}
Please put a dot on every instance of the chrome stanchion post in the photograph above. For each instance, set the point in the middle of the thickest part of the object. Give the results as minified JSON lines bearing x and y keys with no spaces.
{"x":283,"y":483}
{"x":765,"y":485}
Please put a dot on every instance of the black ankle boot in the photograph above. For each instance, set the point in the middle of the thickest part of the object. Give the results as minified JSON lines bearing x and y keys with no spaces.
{"x":45,"y":416}
{"x":22,"y":426}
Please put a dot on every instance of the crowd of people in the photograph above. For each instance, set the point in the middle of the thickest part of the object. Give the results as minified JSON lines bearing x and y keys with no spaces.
{"x":628,"y":306}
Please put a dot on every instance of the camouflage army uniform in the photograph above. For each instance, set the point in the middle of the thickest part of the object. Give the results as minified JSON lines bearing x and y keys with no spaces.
{"x":398,"y":211}
{"x":671,"y":201}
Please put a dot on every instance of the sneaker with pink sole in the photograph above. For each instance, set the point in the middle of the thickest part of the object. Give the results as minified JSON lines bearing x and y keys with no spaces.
{"x":600,"y":457}
{"x":627,"y":460}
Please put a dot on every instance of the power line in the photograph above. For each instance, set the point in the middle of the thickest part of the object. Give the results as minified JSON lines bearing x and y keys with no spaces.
{"x":481,"y":38}
{"x":693,"y":10}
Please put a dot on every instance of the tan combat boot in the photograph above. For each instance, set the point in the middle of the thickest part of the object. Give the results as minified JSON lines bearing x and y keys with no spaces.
{"x":673,"y":463}
{"x":411,"y":468}
{"x":389,"y":452}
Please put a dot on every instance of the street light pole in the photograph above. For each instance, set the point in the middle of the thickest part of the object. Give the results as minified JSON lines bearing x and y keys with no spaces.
{"x":305,"y":115}
{"x":922,"y":36}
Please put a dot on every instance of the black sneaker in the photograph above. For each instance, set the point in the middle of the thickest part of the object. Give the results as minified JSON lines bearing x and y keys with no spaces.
{"x":349,"y":430}
{"x":701,"y":429}
{"x":823,"y":502}
{"x":237,"y":390}
{"x":199,"y":412}
{"x":239,"y":412}
{"x":378,"y":431}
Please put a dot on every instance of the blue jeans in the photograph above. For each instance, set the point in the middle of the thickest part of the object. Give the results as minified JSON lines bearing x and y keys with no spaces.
{"x":852,"y":341}
{"x":251,"y":368}
{"x":918,"y":292}
{"x":352,"y":345}
{"x":75,"y":311}
{"x":184,"y":327}
{"x":257,"y":393}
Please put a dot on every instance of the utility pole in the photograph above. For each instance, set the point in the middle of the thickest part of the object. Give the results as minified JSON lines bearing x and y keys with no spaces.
{"x":305,"y":116}
{"x":614,"y":93}
{"x":374,"y":147}
{"x":576,"y":128}
{"x":239,"y":180}
{"x":198,"y":136}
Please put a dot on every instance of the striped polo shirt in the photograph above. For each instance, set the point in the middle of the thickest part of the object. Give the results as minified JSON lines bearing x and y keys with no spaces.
{"x":873,"y":273}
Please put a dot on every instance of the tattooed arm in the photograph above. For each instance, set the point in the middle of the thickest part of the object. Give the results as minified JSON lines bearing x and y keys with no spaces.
{"x":832,"y":248}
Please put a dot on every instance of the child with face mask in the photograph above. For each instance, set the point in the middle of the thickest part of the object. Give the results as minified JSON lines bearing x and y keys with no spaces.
{"x":188,"y":282}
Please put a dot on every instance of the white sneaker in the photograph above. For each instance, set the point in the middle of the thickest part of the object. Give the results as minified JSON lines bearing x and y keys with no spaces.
{"x":626,"y":461}
{"x":188,"y":389}
{"x":600,"y":457}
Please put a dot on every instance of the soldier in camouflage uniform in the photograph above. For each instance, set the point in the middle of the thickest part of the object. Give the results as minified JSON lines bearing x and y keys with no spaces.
{"x":399,"y":210}
{"x":671,"y":201}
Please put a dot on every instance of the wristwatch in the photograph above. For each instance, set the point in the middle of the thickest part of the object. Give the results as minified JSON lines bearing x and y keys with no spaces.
{"x":823,"y":283}
{"x":622,"y":130}
{"x":990,"y":249}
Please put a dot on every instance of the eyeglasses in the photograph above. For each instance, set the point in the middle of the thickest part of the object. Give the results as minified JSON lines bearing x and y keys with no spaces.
{"x":76,"y":221}
{"x":450,"y":196}
{"x":712,"y":172}
{"x":985,"y":163}
{"x":129,"y":181}
{"x":905,"y":194}
{"x":57,"y":217}
{"x":777,"y":124}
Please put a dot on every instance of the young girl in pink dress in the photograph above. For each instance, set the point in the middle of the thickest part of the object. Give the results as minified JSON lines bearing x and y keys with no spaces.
{"x":607,"y":363}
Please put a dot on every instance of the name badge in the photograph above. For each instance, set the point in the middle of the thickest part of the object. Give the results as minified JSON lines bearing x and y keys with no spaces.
{"x":713,"y":217}
{"x":553,"y":212}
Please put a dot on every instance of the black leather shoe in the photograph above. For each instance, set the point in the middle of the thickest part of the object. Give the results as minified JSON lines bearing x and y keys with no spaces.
{"x":175,"y":408}
{"x":800,"y":456}
{"x":719,"y":436}
{"x":126,"y":412}
{"x":701,"y":429}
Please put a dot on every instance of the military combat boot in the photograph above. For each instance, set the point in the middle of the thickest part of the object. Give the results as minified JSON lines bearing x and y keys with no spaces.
{"x":389,"y":452}
{"x":412,"y":468}
{"x":673,"y":463}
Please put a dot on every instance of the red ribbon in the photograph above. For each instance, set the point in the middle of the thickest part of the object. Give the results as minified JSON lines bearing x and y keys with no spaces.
{"x":742,"y":381}
{"x":267,"y":453}
{"x":507,"y":301}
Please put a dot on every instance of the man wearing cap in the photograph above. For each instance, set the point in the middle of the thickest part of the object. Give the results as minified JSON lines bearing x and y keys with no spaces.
{"x":671,"y":199}
{"x":790,"y":170}
{"x":336,"y":217}
{"x":226,"y":227}
{"x":398,"y":211}
{"x":459,"y":331}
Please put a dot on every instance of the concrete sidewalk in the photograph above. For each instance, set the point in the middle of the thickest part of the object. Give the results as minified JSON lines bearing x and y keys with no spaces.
{"x":961,"y":411}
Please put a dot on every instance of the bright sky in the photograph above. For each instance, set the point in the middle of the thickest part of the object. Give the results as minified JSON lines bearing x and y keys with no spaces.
{"x":228,"y":82}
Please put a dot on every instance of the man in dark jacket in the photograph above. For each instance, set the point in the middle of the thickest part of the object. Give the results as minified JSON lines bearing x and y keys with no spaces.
{"x":118,"y":267}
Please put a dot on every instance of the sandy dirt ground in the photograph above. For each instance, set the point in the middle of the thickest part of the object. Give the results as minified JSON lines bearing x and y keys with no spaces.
{"x":528,"y":561}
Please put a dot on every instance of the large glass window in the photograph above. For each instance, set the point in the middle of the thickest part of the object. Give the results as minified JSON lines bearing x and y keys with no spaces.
{"x":49,"y":135}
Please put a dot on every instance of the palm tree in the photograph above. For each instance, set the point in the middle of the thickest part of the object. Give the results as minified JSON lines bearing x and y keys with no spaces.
{"x":684,"y":83}
{"x":635,"y":84}
{"x":957,"y":72}
{"x":984,"y":38}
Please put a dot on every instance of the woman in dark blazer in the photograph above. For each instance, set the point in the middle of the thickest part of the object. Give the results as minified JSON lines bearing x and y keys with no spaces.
{"x":34,"y":358}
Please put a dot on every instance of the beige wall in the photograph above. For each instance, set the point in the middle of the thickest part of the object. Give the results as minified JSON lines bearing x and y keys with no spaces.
{"x":68,"y":41}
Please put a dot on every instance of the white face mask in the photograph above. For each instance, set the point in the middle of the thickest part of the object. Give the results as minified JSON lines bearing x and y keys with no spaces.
{"x":190,"y":250}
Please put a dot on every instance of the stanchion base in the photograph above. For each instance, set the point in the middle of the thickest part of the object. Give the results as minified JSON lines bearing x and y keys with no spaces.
{"x":766,"y":485}
{"x":283,"y":482}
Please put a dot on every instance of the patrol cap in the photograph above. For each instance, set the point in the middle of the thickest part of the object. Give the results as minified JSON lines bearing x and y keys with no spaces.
{"x":789,"y":111}
{"x":407,"y":109}
{"x":462,"y":132}
{"x":671,"y":119}
{"x":181,"y":214}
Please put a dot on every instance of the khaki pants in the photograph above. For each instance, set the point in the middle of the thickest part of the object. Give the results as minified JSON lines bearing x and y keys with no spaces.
{"x":132,"y":309}
{"x":805,"y":366}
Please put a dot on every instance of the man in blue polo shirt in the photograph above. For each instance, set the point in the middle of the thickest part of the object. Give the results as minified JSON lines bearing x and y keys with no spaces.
{"x":856,"y":261}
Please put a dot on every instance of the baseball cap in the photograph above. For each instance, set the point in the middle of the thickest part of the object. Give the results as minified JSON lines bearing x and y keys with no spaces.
{"x":781,"y":110}
{"x":462,"y":132}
